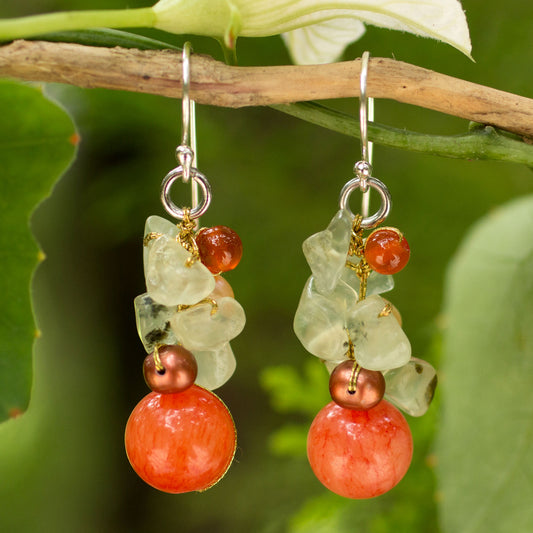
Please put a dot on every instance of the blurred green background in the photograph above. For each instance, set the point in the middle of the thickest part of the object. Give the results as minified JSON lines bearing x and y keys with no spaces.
{"x":275,"y":180}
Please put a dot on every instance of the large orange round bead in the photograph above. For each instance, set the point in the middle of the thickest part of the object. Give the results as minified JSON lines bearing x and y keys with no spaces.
{"x":220,"y":248}
{"x":181,"y":442}
{"x":387,"y":250}
{"x":359,"y":454}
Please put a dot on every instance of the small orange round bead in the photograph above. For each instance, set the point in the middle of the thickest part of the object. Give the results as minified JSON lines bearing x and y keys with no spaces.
{"x":387,"y":250}
{"x":220,"y":248}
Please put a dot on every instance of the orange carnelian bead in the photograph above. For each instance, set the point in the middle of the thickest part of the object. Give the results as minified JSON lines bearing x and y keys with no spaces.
{"x":181,"y":442}
{"x":359,"y":454}
{"x":220,"y":248}
{"x":387,"y":250}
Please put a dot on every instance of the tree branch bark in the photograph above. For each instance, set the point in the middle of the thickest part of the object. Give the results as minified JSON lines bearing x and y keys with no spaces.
{"x":214,"y":83}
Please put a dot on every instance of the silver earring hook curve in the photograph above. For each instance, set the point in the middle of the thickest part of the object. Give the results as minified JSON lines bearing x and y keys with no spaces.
{"x":185,"y":152}
{"x":186,"y":155}
{"x":363,"y":106}
{"x":363,"y":169}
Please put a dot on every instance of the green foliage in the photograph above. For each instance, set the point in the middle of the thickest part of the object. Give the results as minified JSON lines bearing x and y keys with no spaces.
{"x":36,"y":146}
{"x":291,"y":391}
{"x":296,"y":392}
{"x":484,"y":441}
{"x":275,"y":180}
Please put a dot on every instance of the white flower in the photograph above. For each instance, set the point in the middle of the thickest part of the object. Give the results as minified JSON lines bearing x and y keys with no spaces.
{"x":323,"y":42}
{"x":316,"y":31}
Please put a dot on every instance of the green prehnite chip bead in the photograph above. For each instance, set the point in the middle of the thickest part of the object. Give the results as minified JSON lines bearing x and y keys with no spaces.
{"x":411,"y":387}
{"x":378,"y":339}
{"x":153,"y":322}
{"x":215,"y":366}
{"x":204,"y":326}
{"x":326,"y":251}
{"x":320,"y":321}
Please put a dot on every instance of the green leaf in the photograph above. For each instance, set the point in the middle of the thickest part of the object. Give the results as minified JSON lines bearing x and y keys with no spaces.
{"x":106,"y":38}
{"x":36,"y":146}
{"x":290,"y":440}
{"x":291,"y":391}
{"x":485,"y":465}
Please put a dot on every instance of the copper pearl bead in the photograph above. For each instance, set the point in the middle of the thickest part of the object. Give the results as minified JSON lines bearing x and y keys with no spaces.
{"x":369,"y":387}
{"x":180,"y":370}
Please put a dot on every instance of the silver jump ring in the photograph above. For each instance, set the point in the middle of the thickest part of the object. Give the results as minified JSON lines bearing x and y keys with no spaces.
{"x":170,"y":207}
{"x":380,"y":187}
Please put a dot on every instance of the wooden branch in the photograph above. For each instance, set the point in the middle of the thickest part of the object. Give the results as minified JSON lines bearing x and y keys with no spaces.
{"x":214,"y":83}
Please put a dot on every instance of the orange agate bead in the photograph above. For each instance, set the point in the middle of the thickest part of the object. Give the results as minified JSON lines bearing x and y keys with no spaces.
{"x":220,"y":248}
{"x":387,"y":250}
{"x":359,"y":454}
{"x":181,"y":442}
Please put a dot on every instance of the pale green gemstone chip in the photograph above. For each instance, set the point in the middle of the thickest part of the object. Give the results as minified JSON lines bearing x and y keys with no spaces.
{"x":376,"y":283}
{"x":379,"y":341}
{"x":320,"y":320}
{"x":153,"y":322}
{"x":156,"y":225}
{"x":202,"y":327}
{"x":170,"y":279}
{"x":327,"y":250}
{"x":215,"y":366}
{"x":411,"y":387}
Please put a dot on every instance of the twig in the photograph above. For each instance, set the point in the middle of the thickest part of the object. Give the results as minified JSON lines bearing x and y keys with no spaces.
{"x":480,"y":142}
{"x":214,"y":83}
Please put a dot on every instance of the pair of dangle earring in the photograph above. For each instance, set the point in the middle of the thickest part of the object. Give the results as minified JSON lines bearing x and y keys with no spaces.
{"x":359,"y":445}
{"x":181,"y":437}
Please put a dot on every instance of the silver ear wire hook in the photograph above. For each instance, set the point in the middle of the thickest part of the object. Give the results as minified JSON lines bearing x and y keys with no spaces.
{"x":186,"y":151}
{"x":186,"y":156}
{"x":366,"y":114}
{"x":363,"y":106}
{"x":363,"y":168}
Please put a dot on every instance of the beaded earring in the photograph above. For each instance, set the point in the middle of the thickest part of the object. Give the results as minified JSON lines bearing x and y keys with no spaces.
{"x":359,"y":445}
{"x":181,"y":437}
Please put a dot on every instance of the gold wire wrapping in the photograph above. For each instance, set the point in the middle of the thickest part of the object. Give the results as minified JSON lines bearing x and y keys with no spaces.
{"x":357,"y":249}
{"x":150,"y":237}
{"x":214,"y":305}
{"x":157,"y":360}
{"x":386,"y":311}
{"x":356,"y":369}
{"x":186,"y":237}
{"x":350,"y":354}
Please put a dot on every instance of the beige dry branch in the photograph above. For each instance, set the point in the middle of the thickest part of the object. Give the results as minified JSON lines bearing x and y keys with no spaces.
{"x":214,"y":83}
